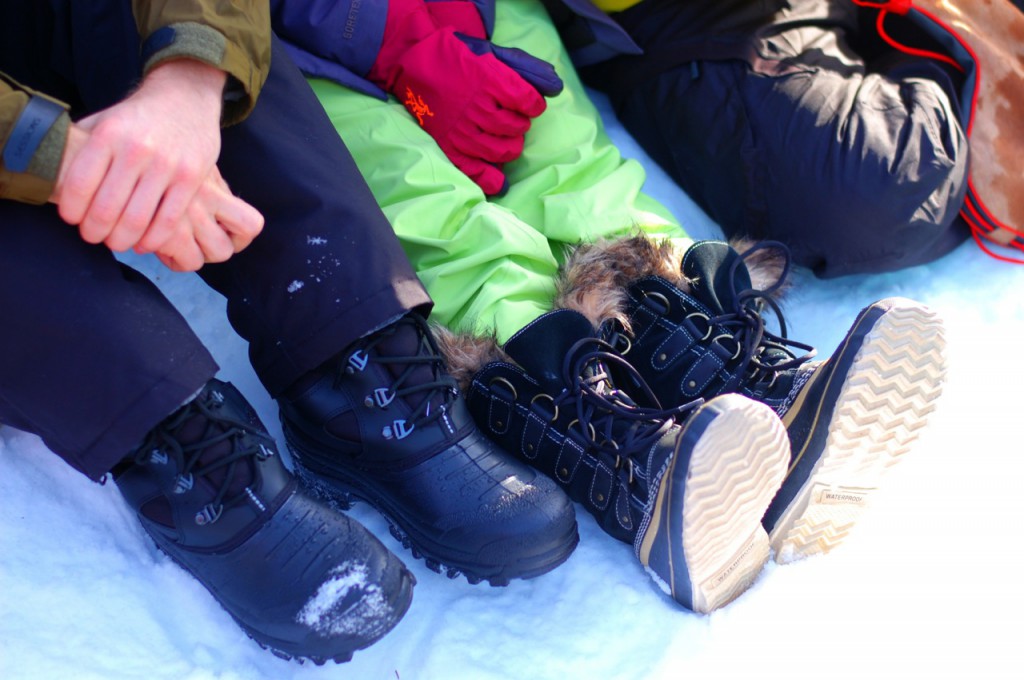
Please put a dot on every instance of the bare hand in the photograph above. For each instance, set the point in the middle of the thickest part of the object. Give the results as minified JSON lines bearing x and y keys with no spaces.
{"x":141,"y":174}
{"x":215,"y":226}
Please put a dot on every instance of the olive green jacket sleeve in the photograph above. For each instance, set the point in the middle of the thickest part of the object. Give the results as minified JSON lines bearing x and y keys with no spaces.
{"x":233,"y":35}
{"x":33,"y":131}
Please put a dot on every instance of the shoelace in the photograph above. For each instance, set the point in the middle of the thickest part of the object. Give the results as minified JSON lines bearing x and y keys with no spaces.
{"x":759,"y":348}
{"x":246,"y":442}
{"x":609,"y":419}
{"x":439,"y":393}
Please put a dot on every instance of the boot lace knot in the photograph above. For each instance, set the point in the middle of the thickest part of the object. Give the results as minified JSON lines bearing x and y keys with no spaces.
{"x":609,"y":421}
{"x":762,"y":353}
{"x":429,"y":397}
{"x":204,"y":442}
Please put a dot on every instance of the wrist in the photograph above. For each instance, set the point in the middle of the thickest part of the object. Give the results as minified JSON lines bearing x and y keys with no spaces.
{"x":408,"y":23}
{"x":187,"y":80}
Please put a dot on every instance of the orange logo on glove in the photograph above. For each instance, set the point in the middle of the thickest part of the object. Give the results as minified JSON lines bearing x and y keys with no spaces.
{"x":417,"y":106}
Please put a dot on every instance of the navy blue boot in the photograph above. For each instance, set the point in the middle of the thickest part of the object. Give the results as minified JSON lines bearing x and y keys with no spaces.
{"x":386,"y":424}
{"x":688,"y":498}
{"x":700,"y":331}
{"x":300,"y":578}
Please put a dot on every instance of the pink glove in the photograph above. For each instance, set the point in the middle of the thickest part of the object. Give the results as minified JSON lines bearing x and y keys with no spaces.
{"x":461,"y":15}
{"x":476,"y":106}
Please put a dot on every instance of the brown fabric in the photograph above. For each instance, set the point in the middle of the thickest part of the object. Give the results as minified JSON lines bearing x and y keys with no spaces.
{"x":245,"y":27}
{"x":35,"y":185}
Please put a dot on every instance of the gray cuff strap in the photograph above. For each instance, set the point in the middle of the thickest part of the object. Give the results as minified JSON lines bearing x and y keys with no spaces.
{"x":35,"y":121}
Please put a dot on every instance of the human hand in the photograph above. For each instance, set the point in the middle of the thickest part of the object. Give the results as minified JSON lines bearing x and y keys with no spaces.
{"x":477,"y":100}
{"x":131,"y":171}
{"x":215,"y":226}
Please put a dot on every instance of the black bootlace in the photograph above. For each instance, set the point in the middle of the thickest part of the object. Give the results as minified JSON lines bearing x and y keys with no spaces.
{"x":609,"y":419}
{"x":758,"y":348}
{"x":246,"y":442}
{"x":436,"y":394}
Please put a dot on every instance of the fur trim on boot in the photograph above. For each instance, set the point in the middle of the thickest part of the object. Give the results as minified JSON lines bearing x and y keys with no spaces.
{"x":594,"y":278}
{"x":466,"y":353}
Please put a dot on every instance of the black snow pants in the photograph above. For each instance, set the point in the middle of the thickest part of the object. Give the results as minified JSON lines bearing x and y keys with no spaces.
{"x":92,"y":355}
{"x":797,"y":124}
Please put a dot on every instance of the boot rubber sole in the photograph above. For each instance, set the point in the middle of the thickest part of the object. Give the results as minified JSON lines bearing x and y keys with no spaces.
{"x":340,"y":489}
{"x":707,"y":517}
{"x":885,"y":398}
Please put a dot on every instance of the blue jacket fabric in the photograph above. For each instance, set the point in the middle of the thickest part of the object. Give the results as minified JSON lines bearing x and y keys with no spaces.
{"x":339,"y":39}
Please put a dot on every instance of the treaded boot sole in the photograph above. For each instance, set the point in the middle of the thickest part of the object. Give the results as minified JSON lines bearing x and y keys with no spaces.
{"x":884,"y":401}
{"x":705,"y":543}
{"x":342,"y":490}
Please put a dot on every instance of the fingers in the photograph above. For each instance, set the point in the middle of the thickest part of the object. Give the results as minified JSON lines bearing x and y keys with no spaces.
{"x":238,"y":219}
{"x":80,"y":183}
{"x":488,"y":148}
{"x":130,"y":226}
{"x":215,"y":226}
{"x":540,"y":74}
{"x":489,"y":178}
{"x":180,"y":192}
{"x":491,"y":116}
{"x":512,"y":92}
{"x":213,"y":241}
{"x":180,"y":252}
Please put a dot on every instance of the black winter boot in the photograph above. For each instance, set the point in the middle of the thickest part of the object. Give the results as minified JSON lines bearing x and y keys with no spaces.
{"x":298,"y":577}
{"x":385,"y":423}
{"x":702,"y":333}
{"x":688,"y":498}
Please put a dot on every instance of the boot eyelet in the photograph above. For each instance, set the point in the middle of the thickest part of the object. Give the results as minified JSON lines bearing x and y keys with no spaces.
{"x":692,"y":384}
{"x":529,"y":447}
{"x":209,"y":514}
{"x":591,"y":433}
{"x":554,"y":416}
{"x":368,"y":402}
{"x":383,"y":396}
{"x":600,"y":498}
{"x":662,"y":357}
{"x":563,"y":473}
{"x":357,"y":362}
{"x":183,"y":483}
{"x":657,"y":298}
{"x":621,"y":343}
{"x":724,"y":336}
{"x":705,"y":318}
{"x":502,"y":381}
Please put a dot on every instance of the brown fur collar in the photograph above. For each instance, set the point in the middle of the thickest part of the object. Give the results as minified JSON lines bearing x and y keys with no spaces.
{"x":594,"y":277}
{"x":593,"y":282}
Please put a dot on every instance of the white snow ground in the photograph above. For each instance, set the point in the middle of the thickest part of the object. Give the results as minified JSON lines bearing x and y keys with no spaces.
{"x":929,"y":586}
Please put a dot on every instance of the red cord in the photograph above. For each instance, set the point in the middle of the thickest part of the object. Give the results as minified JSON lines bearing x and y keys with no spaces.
{"x":979,"y":215}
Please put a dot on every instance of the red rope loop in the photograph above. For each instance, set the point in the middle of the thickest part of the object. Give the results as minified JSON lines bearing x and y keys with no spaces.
{"x":894,"y":6}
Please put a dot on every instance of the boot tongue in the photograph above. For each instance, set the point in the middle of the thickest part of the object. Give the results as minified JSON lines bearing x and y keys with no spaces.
{"x":707,"y":265}
{"x":406,"y":341}
{"x":541,"y":347}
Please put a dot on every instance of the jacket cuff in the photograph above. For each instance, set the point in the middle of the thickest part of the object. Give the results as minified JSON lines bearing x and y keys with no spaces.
{"x":191,"y":40}
{"x":34,"y":151}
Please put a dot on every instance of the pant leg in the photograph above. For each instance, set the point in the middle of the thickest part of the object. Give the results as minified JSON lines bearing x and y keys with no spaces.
{"x":490,"y":265}
{"x":571,"y":182}
{"x":857,"y":171}
{"x":92,"y":355}
{"x":327,"y":268}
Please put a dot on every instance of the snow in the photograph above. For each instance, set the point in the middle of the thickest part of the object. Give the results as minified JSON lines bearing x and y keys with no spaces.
{"x":929,"y":585}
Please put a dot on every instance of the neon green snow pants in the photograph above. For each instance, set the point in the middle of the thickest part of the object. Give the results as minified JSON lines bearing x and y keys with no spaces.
{"x":490,"y":264}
